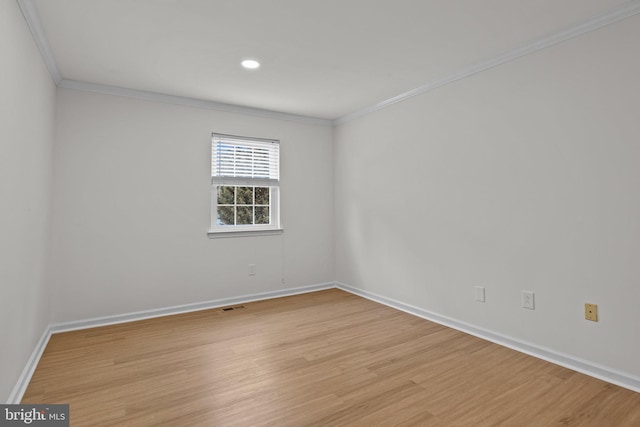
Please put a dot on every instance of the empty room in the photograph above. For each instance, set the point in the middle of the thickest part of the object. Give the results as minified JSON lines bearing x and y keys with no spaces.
{"x":336,"y":213}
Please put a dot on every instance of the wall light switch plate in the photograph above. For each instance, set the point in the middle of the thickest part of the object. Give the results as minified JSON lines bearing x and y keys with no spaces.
{"x":480,"y":293}
{"x":528,"y":300}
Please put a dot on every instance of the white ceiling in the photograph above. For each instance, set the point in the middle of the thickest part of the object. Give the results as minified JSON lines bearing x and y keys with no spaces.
{"x":323,"y":59}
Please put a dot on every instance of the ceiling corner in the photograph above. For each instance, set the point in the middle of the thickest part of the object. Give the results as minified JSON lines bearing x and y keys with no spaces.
{"x":30,"y":14}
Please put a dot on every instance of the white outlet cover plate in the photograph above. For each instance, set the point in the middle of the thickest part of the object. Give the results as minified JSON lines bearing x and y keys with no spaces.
{"x":480,"y":293}
{"x":528,"y":300}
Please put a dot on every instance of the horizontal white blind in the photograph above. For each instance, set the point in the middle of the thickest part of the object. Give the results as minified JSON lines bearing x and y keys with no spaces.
{"x":237,"y":160}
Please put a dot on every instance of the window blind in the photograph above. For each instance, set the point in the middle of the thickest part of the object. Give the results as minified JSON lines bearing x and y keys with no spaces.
{"x":244,"y":161}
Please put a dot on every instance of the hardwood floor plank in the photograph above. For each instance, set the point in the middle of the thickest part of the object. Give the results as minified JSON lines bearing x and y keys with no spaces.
{"x":327,"y":358}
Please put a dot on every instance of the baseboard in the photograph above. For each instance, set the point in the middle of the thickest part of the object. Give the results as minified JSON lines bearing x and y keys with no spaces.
{"x":603,"y":373}
{"x":23,"y":381}
{"x":185,"y":308}
{"x":588,"y":368}
{"x":21,"y":386}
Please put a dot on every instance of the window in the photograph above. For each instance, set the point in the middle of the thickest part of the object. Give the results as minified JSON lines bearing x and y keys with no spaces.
{"x":245,"y":175}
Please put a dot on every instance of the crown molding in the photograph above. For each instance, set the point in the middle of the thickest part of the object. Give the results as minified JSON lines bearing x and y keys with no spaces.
{"x":618,"y":14}
{"x":33,"y":21}
{"x":189,"y":102}
{"x":35,"y":26}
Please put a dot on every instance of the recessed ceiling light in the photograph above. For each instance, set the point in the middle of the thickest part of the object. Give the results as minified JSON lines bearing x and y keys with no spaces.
{"x":251,"y":64}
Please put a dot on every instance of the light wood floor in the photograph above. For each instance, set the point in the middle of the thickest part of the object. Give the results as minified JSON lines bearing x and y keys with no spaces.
{"x":321,"y":359}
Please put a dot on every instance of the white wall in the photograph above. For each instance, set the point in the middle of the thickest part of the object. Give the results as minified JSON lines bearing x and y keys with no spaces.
{"x":27,"y":97}
{"x":132,"y":206}
{"x":525,"y":176}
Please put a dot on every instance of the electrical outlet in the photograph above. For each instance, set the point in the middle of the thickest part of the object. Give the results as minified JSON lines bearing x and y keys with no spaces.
{"x":252,"y":269}
{"x":591,"y":312}
{"x":480,"y":293}
{"x":528,"y":300}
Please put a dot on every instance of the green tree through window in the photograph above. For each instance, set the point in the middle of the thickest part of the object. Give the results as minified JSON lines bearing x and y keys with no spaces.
{"x":243,"y":205}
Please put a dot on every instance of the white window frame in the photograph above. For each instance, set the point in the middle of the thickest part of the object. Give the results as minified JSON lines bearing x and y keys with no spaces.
{"x":234,"y":168}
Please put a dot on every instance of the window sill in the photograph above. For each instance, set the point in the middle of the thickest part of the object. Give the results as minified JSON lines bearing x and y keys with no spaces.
{"x":216,"y":234}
